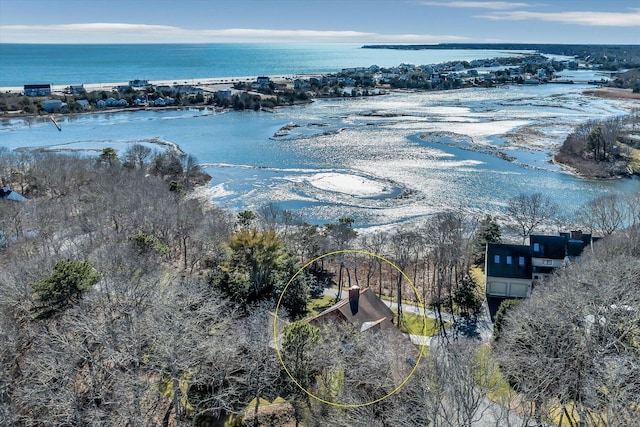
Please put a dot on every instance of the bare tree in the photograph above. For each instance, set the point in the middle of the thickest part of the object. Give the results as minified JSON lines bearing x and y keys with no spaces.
{"x":401,"y":245}
{"x":604,"y":214}
{"x":632,"y":203}
{"x":449,"y":241}
{"x":260,"y":364}
{"x":530,"y":211}
{"x":137,"y":156}
{"x":376,"y":244}
{"x":571,"y":346}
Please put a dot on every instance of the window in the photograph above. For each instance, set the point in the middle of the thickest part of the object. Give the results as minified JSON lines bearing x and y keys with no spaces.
{"x":509,"y":260}
{"x":536,"y":247}
{"x":496,"y":259}
{"x":521,"y":261}
{"x":547,"y":262}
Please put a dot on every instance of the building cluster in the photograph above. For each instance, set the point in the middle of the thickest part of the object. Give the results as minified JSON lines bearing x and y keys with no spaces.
{"x":533,"y":69}
{"x":139,"y":93}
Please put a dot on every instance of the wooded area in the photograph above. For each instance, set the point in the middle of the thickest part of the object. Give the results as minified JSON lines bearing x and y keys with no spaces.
{"x":126,"y":300}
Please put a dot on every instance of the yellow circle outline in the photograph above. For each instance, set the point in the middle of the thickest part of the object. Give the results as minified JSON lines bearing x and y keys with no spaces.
{"x":424,"y":329}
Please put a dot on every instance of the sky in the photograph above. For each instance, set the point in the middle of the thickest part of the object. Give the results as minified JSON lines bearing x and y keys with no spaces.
{"x":317,"y":21}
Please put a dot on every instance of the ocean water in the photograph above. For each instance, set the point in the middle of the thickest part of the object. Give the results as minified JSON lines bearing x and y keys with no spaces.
{"x":383,"y":160}
{"x":77,"y":64}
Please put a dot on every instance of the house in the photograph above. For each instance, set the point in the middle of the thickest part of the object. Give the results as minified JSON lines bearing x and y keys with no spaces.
{"x":139,"y":83}
{"x":513,"y":271}
{"x":37,"y":90}
{"x":547,"y":254}
{"x":224,"y":93}
{"x":53,"y":105}
{"x":187,"y":90}
{"x":263,"y":81}
{"x":111,"y":102}
{"x":77,"y":89}
{"x":369,"y":314}
{"x":7,"y":194}
{"x":576,"y":242}
{"x":301,"y":84}
{"x":140,"y":101}
{"x":363,"y":309}
{"x":83,"y":103}
{"x":508,"y":271}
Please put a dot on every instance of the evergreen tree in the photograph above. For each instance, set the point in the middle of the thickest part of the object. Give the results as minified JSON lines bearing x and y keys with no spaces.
{"x":258,"y":267}
{"x":488,"y":232}
{"x":64,"y":286}
{"x":505,"y":307}
{"x":466,"y":297}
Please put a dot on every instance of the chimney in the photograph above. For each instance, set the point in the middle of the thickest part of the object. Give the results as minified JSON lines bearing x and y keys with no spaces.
{"x":354,"y":298}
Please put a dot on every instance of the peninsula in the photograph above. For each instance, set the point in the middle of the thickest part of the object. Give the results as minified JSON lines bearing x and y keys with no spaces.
{"x":267,"y":92}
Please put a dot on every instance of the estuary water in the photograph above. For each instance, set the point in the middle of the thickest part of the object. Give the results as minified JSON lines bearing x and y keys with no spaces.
{"x":382,"y":160}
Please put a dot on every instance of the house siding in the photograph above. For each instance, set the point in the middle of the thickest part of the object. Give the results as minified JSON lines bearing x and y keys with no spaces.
{"x":512,"y":271}
{"x":508,"y":287}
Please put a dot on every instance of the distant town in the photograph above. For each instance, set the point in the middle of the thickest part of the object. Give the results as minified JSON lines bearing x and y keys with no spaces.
{"x":265,"y":92}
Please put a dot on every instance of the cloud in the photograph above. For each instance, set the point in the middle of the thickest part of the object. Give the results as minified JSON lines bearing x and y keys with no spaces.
{"x":602,"y":19}
{"x":101,"y":32}
{"x":494,"y":5}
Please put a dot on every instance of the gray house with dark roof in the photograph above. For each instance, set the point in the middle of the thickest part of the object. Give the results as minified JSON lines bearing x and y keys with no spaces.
{"x":513,"y":271}
{"x":37,"y":90}
{"x":508,"y":271}
{"x":547,"y":254}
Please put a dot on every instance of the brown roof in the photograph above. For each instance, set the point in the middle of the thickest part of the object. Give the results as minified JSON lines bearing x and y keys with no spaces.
{"x":370,"y":309}
{"x":373,"y":315}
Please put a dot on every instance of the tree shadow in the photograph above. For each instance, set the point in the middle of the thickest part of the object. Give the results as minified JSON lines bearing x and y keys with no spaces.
{"x":467,"y":327}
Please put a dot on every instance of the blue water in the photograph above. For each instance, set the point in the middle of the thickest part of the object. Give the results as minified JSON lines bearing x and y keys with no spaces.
{"x":382,"y":160}
{"x":416,"y":142}
{"x":76,"y":64}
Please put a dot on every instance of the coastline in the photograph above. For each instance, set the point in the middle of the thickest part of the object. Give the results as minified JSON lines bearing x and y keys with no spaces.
{"x":613,"y":93}
{"x":211,"y":84}
{"x":220,"y":83}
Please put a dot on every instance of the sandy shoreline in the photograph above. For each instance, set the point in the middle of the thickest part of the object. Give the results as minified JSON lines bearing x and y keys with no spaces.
{"x":214,"y":84}
{"x":210,"y":84}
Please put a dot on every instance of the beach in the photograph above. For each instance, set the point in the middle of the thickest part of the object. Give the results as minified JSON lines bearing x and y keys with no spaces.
{"x":212,"y":84}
